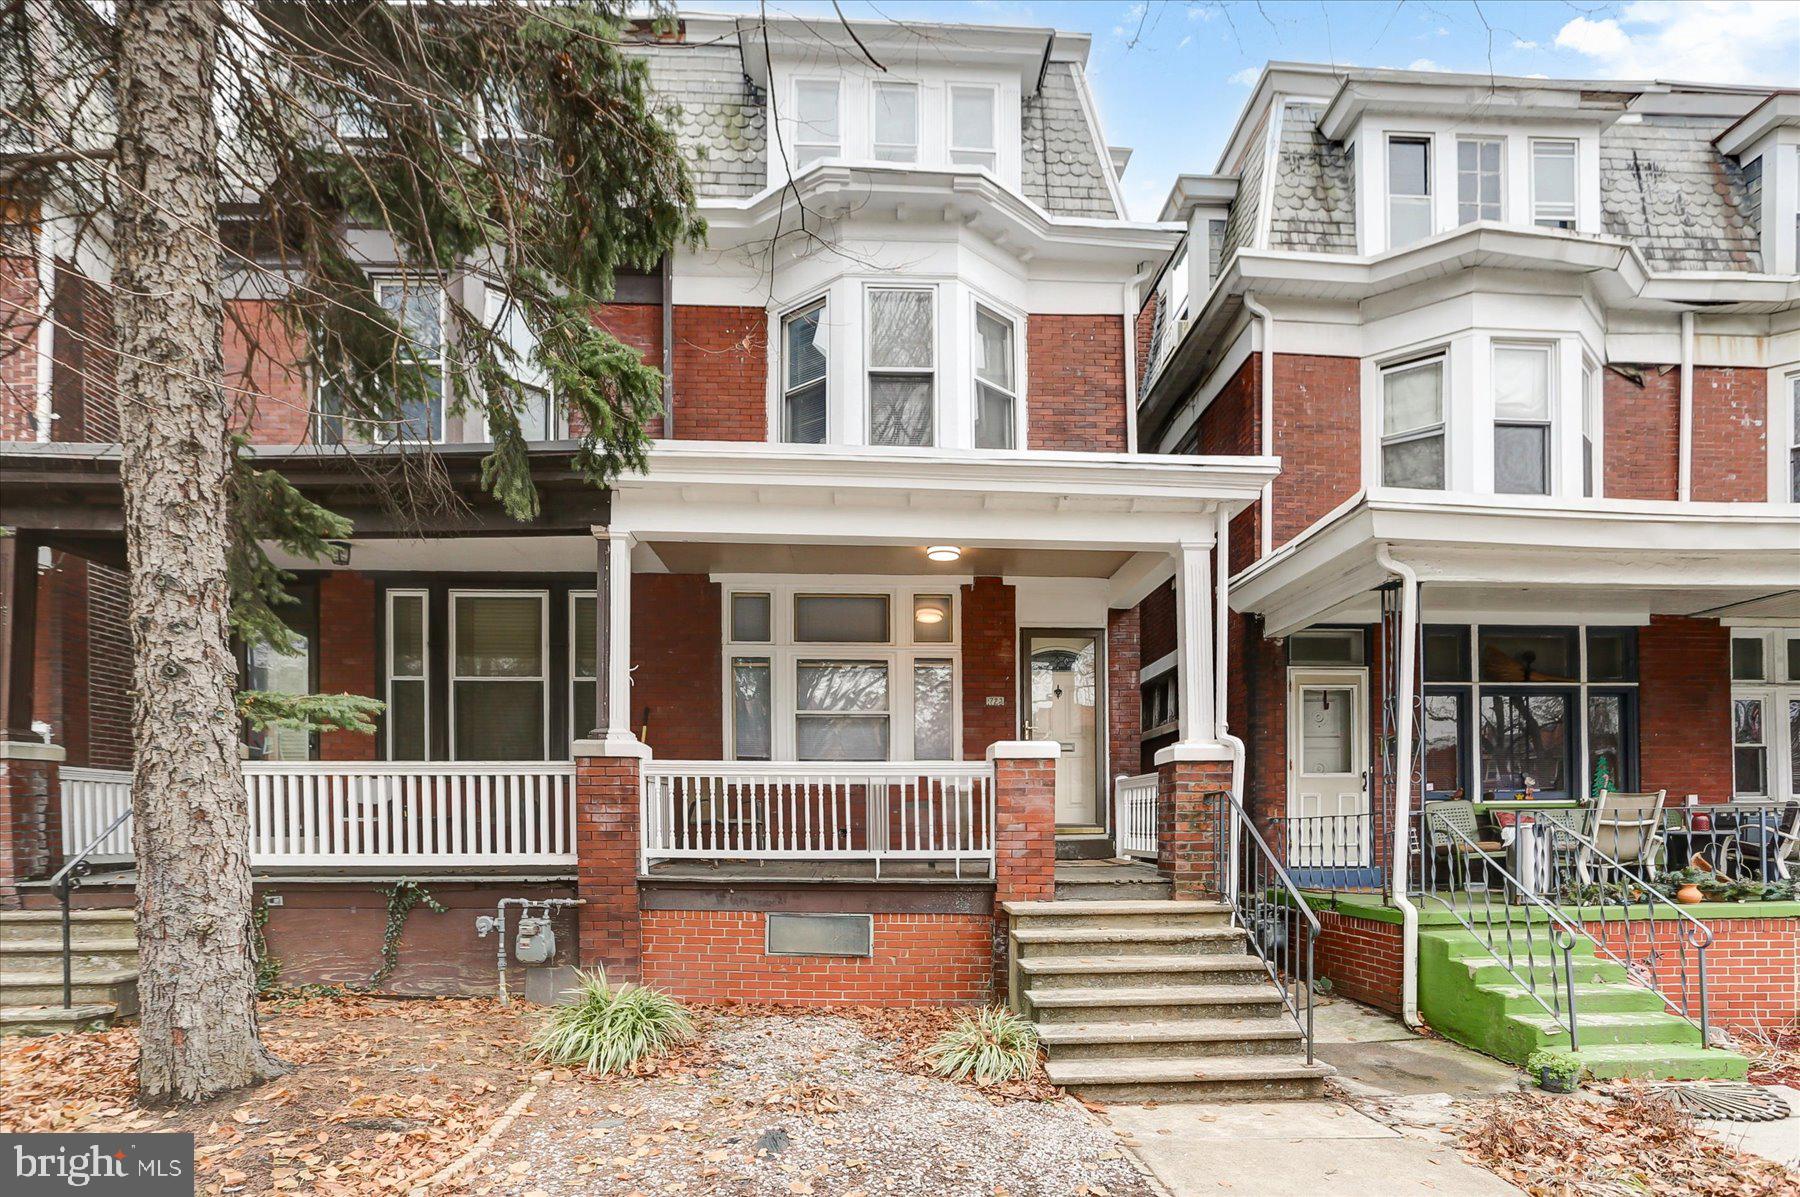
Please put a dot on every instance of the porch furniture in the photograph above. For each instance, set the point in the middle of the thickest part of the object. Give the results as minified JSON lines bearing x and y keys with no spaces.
{"x":1758,"y":842}
{"x":1443,"y":822}
{"x":1628,"y":828}
{"x":1787,"y":841}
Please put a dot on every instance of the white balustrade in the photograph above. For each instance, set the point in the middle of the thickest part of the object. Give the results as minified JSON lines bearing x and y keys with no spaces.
{"x":736,"y":810}
{"x":91,"y":800}
{"x":1134,"y":815}
{"x":393,"y":814}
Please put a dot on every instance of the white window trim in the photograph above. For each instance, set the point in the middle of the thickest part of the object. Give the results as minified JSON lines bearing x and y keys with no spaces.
{"x":797,"y":128}
{"x":1479,"y":140}
{"x":1776,"y":690}
{"x":1387,"y":182}
{"x":951,"y":147}
{"x":1000,"y":311}
{"x":784,"y":653}
{"x":576,"y":597}
{"x":1550,"y":422}
{"x":1593,"y":422}
{"x":778,"y":420}
{"x":869,"y":369}
{"x":376,"y":282}
{"x":1784,"y":411}
{"x":542,"y":679}
{"x":388,"y":676}
{"x":1441,"y":356}
{"x":1574,"y":203}
{"x":876,"y":145}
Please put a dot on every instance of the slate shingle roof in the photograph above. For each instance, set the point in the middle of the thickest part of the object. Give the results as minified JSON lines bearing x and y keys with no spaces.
{"x":1664,"y":185}
{"x":1063,"y":171}
{"x":722,"y":124}
{"x":1314,"y":207}
{"x":1240,"y":223}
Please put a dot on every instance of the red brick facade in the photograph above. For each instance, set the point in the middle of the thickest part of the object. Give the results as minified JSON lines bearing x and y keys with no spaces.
{"x":677,"y":689}
{"x":1361,"y":958}
{"x":1752,"y":966}
{"x":1318,"y":436}
{"x":1231,"y":425}
{"x":1124,"y":704}
{"x":82,"y":664}
{"x":990,"y":665}
{"x":30,"y":824}
{"x":1731,"y":408}
{"x":1643,"y":434}
{"x":1188,"y":805}
{"x":606,"y":842}
{"x":1076,"y":391}
{"x":18,"y":349}
{"x":271,"y":400}
{"x":347,"y":619}
{"x":721,"y":372}
{"x":1024,"y":844}
{"x":719,"y":956}
{"x":1684,"y":702}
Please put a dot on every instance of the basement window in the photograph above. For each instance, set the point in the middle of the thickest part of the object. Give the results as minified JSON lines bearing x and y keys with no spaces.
{"x":820,"y":934}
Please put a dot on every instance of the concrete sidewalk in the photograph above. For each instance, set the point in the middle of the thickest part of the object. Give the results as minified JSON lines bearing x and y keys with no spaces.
{"x":1329,"y":1147}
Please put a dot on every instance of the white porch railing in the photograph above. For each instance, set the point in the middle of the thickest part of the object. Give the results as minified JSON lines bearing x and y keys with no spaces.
{"x":1134,"y":815}
{"x":393,"y":814}
{"x":877,"y":812}
{"x":91,"y":800}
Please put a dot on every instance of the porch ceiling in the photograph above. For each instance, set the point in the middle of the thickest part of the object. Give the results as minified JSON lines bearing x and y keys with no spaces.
{"x":707,"y":557}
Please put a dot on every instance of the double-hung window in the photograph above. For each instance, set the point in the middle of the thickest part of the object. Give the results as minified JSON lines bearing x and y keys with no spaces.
{"x":1553,"y":184}
{"x":803,"y":393}
{"x":895,"y":122}
{"x":1478,"y":178}
{"x":1412,"y":424}
{"x":536,"y":409}
{"x":1522,"y":405}
{"x":418,"y":308}
{"x":408,"y":694}
{"x":1765,"y":713}
{"x":973,"y":119}
{"x":1592,"y":428}
{"x":902,"y":357}
{"x":1409,"y":190}
{"x":996,"y":392}
{"x":818,"y":132}
{"x":499,"y":675}
{"x":1794,"y":438}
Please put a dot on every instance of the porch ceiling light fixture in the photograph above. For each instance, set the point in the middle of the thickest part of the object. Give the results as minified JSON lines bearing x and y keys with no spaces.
{"x":929,"y":615}
{"x":943,"y":552}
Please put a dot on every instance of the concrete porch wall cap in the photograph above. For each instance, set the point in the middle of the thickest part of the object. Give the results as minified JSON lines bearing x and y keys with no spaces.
{"x":31,"y":750}
{"x":1193,"y":750}
{"x":1024,"y":750}
{"x":612,"y":746}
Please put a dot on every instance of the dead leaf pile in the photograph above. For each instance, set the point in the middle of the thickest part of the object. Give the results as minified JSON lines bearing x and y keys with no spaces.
{"x":1774,"y":1054}
{"x":1632,"y":1143}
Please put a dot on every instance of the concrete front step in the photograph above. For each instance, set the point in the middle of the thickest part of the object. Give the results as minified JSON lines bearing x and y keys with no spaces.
{"x":1125,"y":888}
{"x":54,"y":1020}
{"x":1135,"y":940}
{"x":1204,"y":1078}
{"x":1605,"y":998}
{"x":116,"y":987}
{"x":1154,"y":1003}
{"x":1587,"y":970}
{"x":1631,"y":1026}
{"x":1117,"y":914}
{"x":45,"y":955}
{"x":1157,"y":1040}
{"x":85,"y":926}
{"x":1046,"y":974}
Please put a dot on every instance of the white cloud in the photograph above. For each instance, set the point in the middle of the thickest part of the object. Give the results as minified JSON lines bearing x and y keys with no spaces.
{"x":1129,"y":23}
{"x":1522,"y":43}
{"x":1246,"y":77}
{"x":1717,"y":41}
{"x":1424,"y":64}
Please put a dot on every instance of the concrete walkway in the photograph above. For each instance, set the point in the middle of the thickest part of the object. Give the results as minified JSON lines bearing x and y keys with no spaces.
{"x":1385,"y":1138}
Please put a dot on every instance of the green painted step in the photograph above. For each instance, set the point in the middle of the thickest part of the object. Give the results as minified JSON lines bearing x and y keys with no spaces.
{"x":1624,"y":1029}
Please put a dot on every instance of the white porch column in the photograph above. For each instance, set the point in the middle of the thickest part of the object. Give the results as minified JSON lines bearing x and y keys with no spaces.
{"x":612,"y":628}
{"x":1196,"y":720}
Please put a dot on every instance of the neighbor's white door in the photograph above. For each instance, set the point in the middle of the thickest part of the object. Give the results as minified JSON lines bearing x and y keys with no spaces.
{"x":1328,"y":775}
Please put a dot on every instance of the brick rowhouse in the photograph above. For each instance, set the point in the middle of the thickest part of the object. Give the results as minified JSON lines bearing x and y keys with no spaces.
{"x":1189,"y":795}
{"x":1024,"y":834}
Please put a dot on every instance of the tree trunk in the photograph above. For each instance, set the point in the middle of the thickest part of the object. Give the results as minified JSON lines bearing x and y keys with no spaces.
{"x":196,"y":975}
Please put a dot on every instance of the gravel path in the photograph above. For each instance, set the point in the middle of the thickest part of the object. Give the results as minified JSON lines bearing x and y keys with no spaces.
{"x":803,"y":1106}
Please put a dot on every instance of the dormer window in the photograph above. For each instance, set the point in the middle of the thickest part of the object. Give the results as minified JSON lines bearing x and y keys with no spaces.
{"x":1478,"y":178}
{"x":902,"y":365}
{"x":1553,"y":184}
{"x":803,"y":399}
{"x":1409,"y":190}
{"x":896,"y":122}
{"x":818,"y":133}
{"x":973,"y":118}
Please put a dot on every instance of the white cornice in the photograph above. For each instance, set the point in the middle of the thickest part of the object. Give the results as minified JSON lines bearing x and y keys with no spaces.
{"x":1779,"y":111}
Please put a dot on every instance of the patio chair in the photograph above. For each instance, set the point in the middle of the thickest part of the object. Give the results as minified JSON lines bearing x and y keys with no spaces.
{"x":1787,"y":840}
{"x":1628,"y":828}
{"x":1766,"y":838}
{"x":1443,"y":821}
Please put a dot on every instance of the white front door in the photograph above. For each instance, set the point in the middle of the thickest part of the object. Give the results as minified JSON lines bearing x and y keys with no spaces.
{"x":1063,"y":685}
{"x":1328,"y":790}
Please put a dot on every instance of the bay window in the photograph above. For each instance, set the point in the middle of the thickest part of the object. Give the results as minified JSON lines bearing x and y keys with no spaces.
{"x":1522,"y":405}
{"x":1478,"y":178}
{"x":1553,"y":165}
{"x":974,"y":115}
{"x":536,"y":408}
{"x":817,"y":129}
{"x":803,"y":371}
{"x":1592,"y":422}
{"x":499,"y":675}
{"x":852,"y":676}
{"x":1793,"y":422}
{"x":895,"y":122}
{"x":1409,"y":190}
{"x":1412,"y":424}
{"x":902,"y":355}
{"x":996,"y":393}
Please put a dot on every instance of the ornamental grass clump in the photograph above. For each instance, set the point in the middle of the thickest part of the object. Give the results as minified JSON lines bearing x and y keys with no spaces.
{"x":992,"y":1046}
{"x":609,"y":1028}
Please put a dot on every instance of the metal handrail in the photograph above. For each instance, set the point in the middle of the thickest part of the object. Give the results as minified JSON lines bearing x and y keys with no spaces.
{"x":68,"y":879}
{"x":1694,"y":933}
{"x":1248,"y":890}
{"x":1563,"y":941}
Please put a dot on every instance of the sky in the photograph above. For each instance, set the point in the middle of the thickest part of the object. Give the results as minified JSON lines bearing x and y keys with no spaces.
{"x":1170,"y":76}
